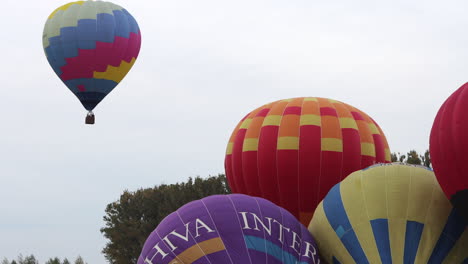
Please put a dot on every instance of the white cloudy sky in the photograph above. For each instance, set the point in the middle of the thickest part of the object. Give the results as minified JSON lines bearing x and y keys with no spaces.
{"x":203,"y":65}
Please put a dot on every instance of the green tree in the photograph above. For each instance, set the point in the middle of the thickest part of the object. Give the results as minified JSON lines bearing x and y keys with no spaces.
{"x":412,"y":157}
{"x":14,"y":262}
{"x":5,"y":261}
{"x":130,"y":220}
{"x":426,"y":159}
{"x":65,"y":261}
{"x":20,"y":259}
{"x":79,"y":260}
{"x":27,"y":260}
{"x":53,"y":261}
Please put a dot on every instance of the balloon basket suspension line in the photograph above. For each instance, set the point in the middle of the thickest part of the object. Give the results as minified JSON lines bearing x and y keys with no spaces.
{"x":90,"y":118}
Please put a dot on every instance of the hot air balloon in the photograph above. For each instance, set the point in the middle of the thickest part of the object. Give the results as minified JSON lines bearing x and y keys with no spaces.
{"x":389,"y":213}
{"x":91,"y":45}
{"x":234,"y":228}
{"x":293,"y":151}
{"x":449,"y":148}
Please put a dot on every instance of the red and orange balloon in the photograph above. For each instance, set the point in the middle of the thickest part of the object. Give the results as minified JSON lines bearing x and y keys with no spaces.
{"x":293,"y":151}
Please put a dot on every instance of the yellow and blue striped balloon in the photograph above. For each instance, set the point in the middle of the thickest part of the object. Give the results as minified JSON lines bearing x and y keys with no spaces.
{"x":394,"y":213}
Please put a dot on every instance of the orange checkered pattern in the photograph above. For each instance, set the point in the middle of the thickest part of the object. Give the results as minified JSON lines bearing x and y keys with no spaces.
{"x":293,"y":151}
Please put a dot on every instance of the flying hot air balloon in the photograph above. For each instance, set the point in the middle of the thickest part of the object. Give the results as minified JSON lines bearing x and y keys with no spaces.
{"x":449,"y":148}
{"x":293,"y":151}
{"x":389,"y":213}
{"x":91,"y":46}
{"x":237,"y":229}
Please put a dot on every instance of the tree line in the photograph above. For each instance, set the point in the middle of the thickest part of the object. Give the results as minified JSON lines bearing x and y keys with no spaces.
{"x":131,"y":219}
{"x":31,"y":259}
{"x":413,"y":157}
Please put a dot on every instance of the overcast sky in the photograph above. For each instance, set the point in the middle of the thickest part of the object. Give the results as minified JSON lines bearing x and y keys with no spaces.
{"x":203,"y":65}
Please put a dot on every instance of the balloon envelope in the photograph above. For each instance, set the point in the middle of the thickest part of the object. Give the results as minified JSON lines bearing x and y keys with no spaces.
{"x":233,"y":228}
{"x":448,"y":148}
{"x":293,"y":151}
{"x":91,"y":45}
{"x":394,"y":213}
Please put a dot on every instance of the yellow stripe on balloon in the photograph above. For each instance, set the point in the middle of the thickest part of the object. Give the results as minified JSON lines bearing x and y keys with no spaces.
{"x":367,"y":149}
{"x":332,"y":144}
{"x":373,"y":128}
{"x":375,"y":194}
{"x":288,"y":143}
{"x":250,"y":144}
{"x":348,"y":122}
{"x":199,"y":250}
{"x":65,"y":7}
{"x":229,"y":148}
{"x":419,"y":198}
{"x":272,"y":120}
{"x":397,"y":191}
{"x":115,"y":74}
{"x":397,"y":233}
{"x":314,"y":120}
{"x":358,"y":208}
{"x":314,"y":99}
{"x":388,"y":156}
{"x":433,"y":224}
{"x":326,"y":237}
{"x":246,"y":123}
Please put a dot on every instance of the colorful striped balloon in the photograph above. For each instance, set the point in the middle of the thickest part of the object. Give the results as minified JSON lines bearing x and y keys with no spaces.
{"x":91,"y":46}
{"x":230,"y":229}
{"x":392,"y":213}
{"x":293,"y":151}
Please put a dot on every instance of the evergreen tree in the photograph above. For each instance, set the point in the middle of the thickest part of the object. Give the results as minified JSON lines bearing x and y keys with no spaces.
{"x":79,"y":260}
{"x":53,"y":261}
{"x":65,"y":261}
{"x":28,"y":260}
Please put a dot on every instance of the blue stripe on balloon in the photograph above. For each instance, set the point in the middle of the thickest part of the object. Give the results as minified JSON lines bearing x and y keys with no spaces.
{"x":412,"y":239}
{"x":338,"y":219}
{"x":452,"y":231}
{"x":68,"y":37}
{"x":382,"y":239}
{"x":87,"y":33}
{"x":265,"y":246}
{"x":132,"y":22}
{"x":122,"y":28}
{"x":105,"y":28}
{"x":340,"y":231}
{"x":55,"y":54}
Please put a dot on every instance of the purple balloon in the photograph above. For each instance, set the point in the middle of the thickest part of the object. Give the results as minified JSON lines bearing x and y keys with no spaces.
{"x":233,"y":228}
